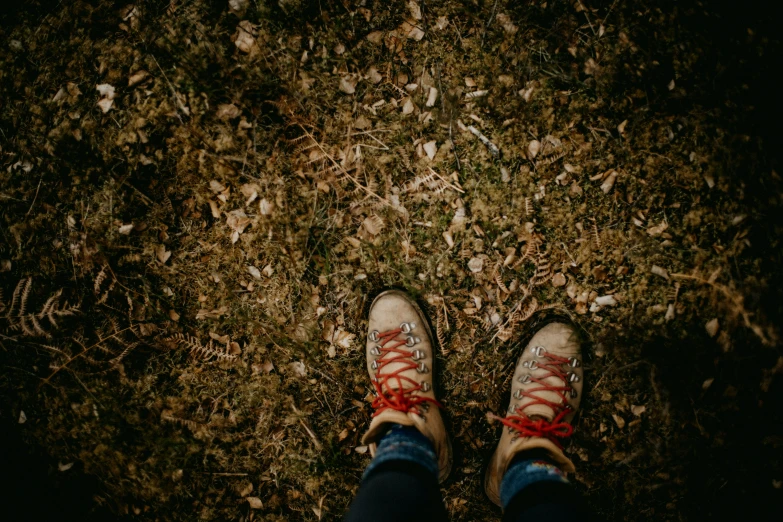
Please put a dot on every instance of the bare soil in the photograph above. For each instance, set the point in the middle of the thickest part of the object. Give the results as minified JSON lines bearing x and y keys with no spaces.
{"x":199,"y":200}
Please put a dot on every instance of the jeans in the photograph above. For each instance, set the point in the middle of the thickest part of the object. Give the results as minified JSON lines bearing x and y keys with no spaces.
{"x":401,"y":484}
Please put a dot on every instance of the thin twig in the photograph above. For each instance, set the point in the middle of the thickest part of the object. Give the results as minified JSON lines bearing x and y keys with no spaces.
{"x":36,"y":196}
{"x":491,"y":17}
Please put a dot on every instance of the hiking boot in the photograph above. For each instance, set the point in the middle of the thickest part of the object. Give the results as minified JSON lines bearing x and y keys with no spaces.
{"x":545,"y":394}
{"x":400,"y":361}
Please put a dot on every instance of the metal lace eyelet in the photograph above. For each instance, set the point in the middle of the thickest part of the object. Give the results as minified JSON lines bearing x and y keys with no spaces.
{"x":422,"y":368}
{"x":572,"y":377}
{"x":573,"y":393}
{"x":511,"y":409}
{"x":410,"y":341}
{"x":574,"y":362}
{"x":538,"y":350}
{"x":424,"y":406}
{"x":407,"y":327}
{"x":374,"y":364}
{"x":418,"y":355}
{"x":518,"y":394}
{"x":425,"y":386}
{"x":375,"y":351}
{"x":524,"y":379}
{"x":533,"y":365}
{"x":373,"y":335}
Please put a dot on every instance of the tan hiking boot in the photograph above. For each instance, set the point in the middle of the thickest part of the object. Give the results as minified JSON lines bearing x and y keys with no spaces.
{"x":545,"y":395}
{"x":400,"y":361}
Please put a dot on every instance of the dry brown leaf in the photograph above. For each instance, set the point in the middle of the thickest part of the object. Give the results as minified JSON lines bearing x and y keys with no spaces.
{"x":348,"y":84}
{"x":227,"y":111}
{"x":162,"y":254}
{"x":137,"y":77}
{"x":245,"y":38}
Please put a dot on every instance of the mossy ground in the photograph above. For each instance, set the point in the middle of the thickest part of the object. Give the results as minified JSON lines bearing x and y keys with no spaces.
{"x":271,"y":194}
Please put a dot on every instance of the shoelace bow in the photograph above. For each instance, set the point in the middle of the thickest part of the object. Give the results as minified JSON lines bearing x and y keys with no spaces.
{"x":556,"y":428}
{"x":392,"y":392}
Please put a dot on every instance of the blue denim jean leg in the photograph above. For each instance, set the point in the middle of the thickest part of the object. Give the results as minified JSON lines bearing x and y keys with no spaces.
{"x":522,"y":473}
{"x":408,"y":444}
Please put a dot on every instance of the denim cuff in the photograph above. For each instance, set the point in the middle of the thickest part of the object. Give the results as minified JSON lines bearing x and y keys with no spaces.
{"x":523,"y":473}
{"x":404,"y":443}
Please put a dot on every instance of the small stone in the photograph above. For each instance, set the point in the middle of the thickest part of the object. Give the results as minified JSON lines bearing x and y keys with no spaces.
{"x":558,"y":280}
{"x":619,"y":421}
{"x":476,"y":265}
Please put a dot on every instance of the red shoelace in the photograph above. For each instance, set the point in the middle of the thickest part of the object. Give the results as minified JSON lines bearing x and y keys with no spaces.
{"x":394,"y":390}
{"x":556,"y":428}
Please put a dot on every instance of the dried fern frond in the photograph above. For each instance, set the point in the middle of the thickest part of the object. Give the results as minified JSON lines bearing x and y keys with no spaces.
{"x":414,"y":184}
{"x":529,"y":207}
{"x":521,"y":313}
{"x":531,"y":252}
{"x":206,"y":352}
{"x":673,"y":293}
{"x":543,"y":270}
{"x":596,"y":236}
{"x":29,"y":324}
{"x":187,"y":423}
{"x":103,"y":294}
{"x":548,"y":160}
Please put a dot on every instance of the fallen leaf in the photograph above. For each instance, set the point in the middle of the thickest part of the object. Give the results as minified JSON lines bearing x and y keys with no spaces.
{"x":619,"y":421}
{"x":245,"y":38}
{"x":162,"y":254}
{"x":255,"y":502}
{"x":431,"y":148}
{"x":532,"y":149}
{"x":137,"y":77}
{"x":298,"y":368}
{"x":659,"y":271}
{"x":348,"y":84}
{"x":107,"y":94}
{"x":638,"y":410}
{"x":126,"y":229}
{"x":408,"y":106}
{"x":255,"y":272}
{"x":246,"y":489}
{"x":712,"y":327}
{"x":374,"y":76}
{"x":608,"y":183}
{"x":227,"y":111}
{"x":658,"y":229}
{"x":22,"y":417}
{"x":64,"y":467}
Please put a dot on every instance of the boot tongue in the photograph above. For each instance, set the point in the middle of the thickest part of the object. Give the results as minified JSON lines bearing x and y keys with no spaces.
{"x":542,"y":410}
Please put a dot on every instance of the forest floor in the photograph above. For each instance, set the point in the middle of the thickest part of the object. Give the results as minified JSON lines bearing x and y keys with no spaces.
{"x":198,"y":201}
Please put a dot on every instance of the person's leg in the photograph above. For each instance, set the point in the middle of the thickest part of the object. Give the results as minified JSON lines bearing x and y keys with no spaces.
{"x":401,"y":482}
{"x":534,"y":488}
{"x":526,"y":476}
{"x":407,"y":438}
